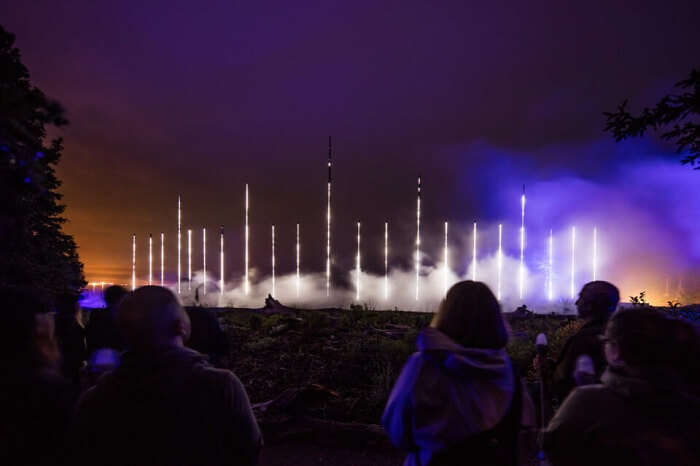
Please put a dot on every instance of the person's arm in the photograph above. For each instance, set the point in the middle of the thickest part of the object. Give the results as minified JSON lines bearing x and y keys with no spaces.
{"x":565,"y":441}
{"x":246,"y":439}
{"x":397,"y":418}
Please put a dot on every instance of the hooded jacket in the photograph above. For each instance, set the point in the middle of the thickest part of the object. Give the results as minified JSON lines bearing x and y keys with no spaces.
{"x":169,"y":408}
{"x":641,"y":418}
{"x":445,"y":394}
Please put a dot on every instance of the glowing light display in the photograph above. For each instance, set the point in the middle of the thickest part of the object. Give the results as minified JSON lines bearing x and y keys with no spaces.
{"x":418,"y":242}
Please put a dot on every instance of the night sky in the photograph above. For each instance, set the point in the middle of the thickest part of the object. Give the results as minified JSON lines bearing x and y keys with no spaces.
{"x":198,"y":98}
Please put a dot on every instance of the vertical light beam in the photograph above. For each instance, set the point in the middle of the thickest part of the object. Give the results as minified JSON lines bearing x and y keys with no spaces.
{"x":221,"y":261}
{"x":298,"y":261}
{"x":204,"y":260}
{"x":386,"y":260}
{"x":522,"y":246}
{"x":246,"y":282}
{"x":133,"y":262}
{"x":179,"y":243}
{"x":357,"y":266}
{"x":500,"y":260}
{"x":273,"y":261}
{"x":418,"y":241}
{"x":189,"y":259}
{"x":447,"y":266}
{"x":474,"y":254}
{"x":550,"y":268}
{"x":595,"y":253}
{"x":162,"y":259}
{"x":150,"y":259}
{"x":573,"y":262}
{"x":328,"y":224}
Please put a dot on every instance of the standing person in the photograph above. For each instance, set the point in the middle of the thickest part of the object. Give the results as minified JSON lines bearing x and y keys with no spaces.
{"x":596,"y":303}
{"x":645,"y":411}
{"x":101,"y":330}
{"x":71,"y":336}
{"x":35,"y":400}
{"x":164,"y":405}
{"x":459,"y":400}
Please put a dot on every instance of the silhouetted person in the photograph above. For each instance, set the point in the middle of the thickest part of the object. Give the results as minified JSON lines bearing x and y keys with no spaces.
{"x":207,"y":336}
{"x":71,"y":336}
{"x":35,"y":400}
{"x":459,"y":400}
{"x":164,"y":405}
{"x":102,"y":329}
{"x":646,"y":410}
{"x":596,"y":303}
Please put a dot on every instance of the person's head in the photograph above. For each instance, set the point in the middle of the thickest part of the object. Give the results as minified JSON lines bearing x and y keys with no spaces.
{"x":151,"y":318}
{"x":30,"y":340}
{"x":644,"y":338}
{"x":597,"y":300}
{"x":113,"y":295}
{"x":471,"y":316}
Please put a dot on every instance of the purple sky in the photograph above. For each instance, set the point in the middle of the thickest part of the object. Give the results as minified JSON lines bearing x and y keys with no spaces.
{"x":198,"y":98}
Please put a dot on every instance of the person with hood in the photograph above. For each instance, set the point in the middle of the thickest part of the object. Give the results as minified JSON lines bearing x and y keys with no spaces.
{"x":645,"y":411}
{"x":459,"y":399}
{"x":164,"y":404}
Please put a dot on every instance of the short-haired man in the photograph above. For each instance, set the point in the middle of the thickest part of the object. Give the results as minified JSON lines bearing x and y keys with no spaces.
{"x":164,"y":405}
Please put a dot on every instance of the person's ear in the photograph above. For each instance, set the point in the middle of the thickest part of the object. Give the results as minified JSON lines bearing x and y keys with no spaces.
{"x":183,"y":329}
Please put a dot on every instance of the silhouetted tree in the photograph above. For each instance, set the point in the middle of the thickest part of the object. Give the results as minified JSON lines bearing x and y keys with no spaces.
{"x":679,"y":111}
{"x":34,"y":251}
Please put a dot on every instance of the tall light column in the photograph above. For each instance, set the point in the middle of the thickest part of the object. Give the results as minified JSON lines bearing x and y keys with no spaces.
{"x":162,"y":259}
{"x":133,"y":262}
{"x":273,"y":261}
{"x":447,"y":266}
{"x":221,"y":261}
{"x":179,"y":243}
{"x":418,"y":240}
{"x":522,"y":246}
{"x":357,"y":266}
{"x":298,"y":262}
{"x":550,"y":269}
{"x":500,"y":260}
{"x":189,"y":259}
{"x":474,"y":253}
{"x":573,"y":262}
{"x":246,"y":283}
{"x":328,"y":223}
{"x":204,"y":260}
{"x":150,"y":259}
{"x":386,"y":260}
{"x":595,"y":253}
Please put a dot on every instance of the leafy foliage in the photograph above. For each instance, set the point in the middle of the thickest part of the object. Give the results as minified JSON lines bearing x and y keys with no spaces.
{"x":679,"y":111}
{"x":37,"y":254}
{"x":640,"y":300}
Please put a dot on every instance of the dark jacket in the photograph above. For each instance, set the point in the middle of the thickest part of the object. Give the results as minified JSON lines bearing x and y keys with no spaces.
{"x":102,"y":331}
{"x":35,"y":407}
{"x":166,"y":409}
{"x":585,"y":341}
{"x":447,"y":394}
{"x":643,"y":420}
{"x":71,"y":341}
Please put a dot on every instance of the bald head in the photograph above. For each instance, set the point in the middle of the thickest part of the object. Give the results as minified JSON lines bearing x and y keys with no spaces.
{"x":151,"y":317}
{"x":597,"y":300}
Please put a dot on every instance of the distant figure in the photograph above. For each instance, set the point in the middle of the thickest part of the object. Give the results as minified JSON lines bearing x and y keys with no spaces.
{"x":596,"y":303}
{"x":459,"y":399}
{"x":646,"y":411}
{"x":71,"y":336}
{"x":164,"y":405}
{"x":102,"y":329}
{"x":35,"y":400}
{"x":207,"y":336}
